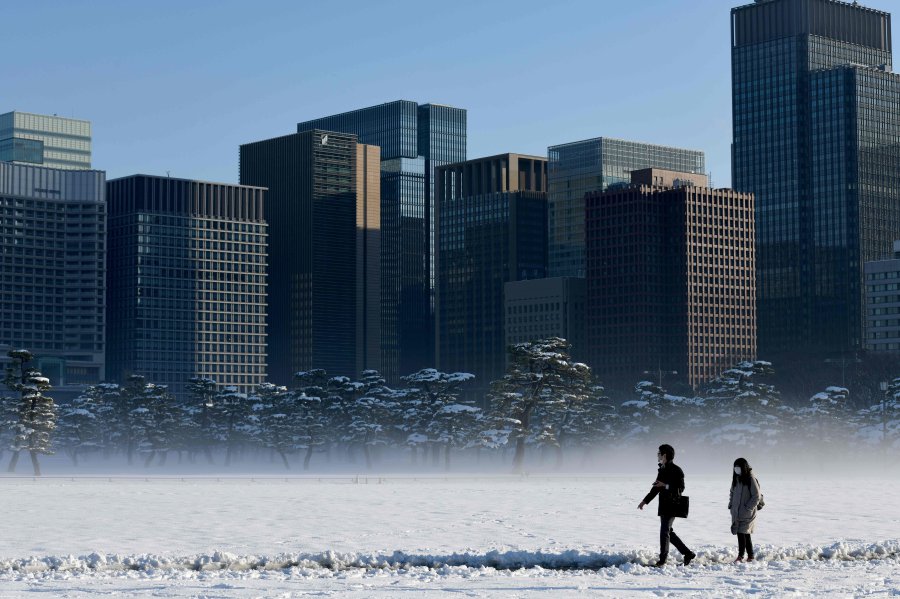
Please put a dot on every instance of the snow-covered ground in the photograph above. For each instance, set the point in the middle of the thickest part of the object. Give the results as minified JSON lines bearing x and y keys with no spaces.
{"x":478,"y":536}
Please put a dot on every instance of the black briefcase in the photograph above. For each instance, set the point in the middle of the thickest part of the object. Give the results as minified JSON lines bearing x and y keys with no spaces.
{"x":680,"y":506}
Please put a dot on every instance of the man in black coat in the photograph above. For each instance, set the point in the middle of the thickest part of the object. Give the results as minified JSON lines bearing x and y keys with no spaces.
{"x":669,"y":485}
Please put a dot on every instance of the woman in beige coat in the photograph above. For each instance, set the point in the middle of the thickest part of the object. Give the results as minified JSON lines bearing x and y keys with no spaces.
{"x":743,"y":503}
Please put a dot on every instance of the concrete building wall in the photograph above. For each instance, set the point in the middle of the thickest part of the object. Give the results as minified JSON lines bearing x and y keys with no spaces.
{"x":368,"y":259}
{"x":542,"y":308}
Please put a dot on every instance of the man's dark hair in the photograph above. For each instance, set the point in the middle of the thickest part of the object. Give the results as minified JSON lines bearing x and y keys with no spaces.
{"x":668,"y":451}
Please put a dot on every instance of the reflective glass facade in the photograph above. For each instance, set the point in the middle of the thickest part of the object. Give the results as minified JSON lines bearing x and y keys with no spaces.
{"x":415,"y":140}
{"x":594,"y":165}
{"x":14,"y":149}
{"x":816,"y":121}
{"x":187,"y":282}
{"x":312,"y":215}
{"x":52,"y":254}
{"x":492,"y":228}
{"x":55,"y":142}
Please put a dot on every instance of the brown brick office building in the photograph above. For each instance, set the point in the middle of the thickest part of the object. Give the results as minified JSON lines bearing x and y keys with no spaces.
{"x":670,"y":279}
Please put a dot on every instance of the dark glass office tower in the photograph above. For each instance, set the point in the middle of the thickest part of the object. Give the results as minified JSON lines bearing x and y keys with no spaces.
{"x":187,"y":282}
{"x":415,"y":140}
{"x":311,"y":211}
{"x":592,"y":165}
{"x":52,"y":270}
{"x":492,"y":229}
{"x":817,"y":139}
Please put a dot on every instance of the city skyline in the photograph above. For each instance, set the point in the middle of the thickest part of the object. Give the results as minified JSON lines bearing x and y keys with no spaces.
{"x":168,"y":99}
{"x":413,"y":140}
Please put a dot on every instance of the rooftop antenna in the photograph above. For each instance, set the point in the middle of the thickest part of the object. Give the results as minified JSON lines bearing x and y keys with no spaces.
{"x":168,"y":175}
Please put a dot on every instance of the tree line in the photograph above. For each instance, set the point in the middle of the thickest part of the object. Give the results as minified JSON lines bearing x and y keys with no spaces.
{"x":546,"y":401}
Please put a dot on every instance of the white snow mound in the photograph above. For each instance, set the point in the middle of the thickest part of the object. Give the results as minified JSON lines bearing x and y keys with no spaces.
{"x":327,"y":563}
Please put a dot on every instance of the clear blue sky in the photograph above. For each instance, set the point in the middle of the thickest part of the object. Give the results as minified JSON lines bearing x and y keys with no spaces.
{"x":179,"y":85}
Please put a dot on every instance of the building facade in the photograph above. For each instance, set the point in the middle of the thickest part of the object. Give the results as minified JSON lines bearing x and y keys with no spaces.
{"x":593,"y":165}
{"x":368,"y":258}
{"x":50,"y":141}
{"x":414,"y":139}
{"x":816,"y":122}
{"x":543,"y":308}
{"x":321,"y":208}
{"x":187,"y":282}
{"x":671,"y":279}
{"x":492,"y":228}
{"x":53,"y":238}
{"x":883,"y":303}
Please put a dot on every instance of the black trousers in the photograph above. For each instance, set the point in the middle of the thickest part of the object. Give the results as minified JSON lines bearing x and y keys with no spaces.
{"x":666,"y":534}
{"x":744,"y":544}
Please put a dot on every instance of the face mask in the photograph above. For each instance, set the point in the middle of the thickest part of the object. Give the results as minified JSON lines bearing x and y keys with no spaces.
{"x":737,"y":470}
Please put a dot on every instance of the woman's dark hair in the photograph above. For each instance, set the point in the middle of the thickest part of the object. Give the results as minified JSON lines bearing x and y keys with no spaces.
{"x":745,"y":473}
{"x":668,"y":451}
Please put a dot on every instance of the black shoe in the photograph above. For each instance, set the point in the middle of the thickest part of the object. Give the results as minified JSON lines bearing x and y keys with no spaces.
{"x":660,"y":563}
{"x":689,"y":558}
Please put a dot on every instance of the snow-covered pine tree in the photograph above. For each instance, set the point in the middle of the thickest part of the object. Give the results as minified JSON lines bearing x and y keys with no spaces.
{"x":79,"y":428}
{"x":133,"y":416}
{"x":827,"y":417}
{"x":361,"y":413}
{"x":112,"y":413}
{"x":374,"y":413}
{"x":160,"y":405}
{"x":644,"y":415}
{"x":231,"y":422}
{"x":338,"y":409}
{"x":411,"y":426}
{"x":594,"y":421}
{"x":35,"y":418}
{"x":539,"y":373}
{"x":274,"y":409}
{"x":312,"y":416}
{"x":879,"y":424}
{"x":428,"y":413}
{"x":746,"y":409}
{"x":560,"y":417}
{"x":8,"y":405}
{"x":198,"y":417}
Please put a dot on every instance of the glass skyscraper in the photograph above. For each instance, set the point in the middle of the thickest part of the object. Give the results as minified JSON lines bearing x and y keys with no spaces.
{"x":53,"y":259}
{"x":492,"y":229}
{"x":593,"y":165}
{"x":816,"y":125}
{"x":50,"y":141}
{"x":414,"y":139}
{"x":187,"y":282}
{"x":320,"y":236}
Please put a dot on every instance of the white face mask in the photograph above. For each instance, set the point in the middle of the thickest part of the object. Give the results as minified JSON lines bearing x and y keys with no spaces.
{"x":737,"y":470}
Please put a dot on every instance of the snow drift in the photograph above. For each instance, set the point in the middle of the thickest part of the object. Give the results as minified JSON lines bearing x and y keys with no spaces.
{"x":329,"y":562}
